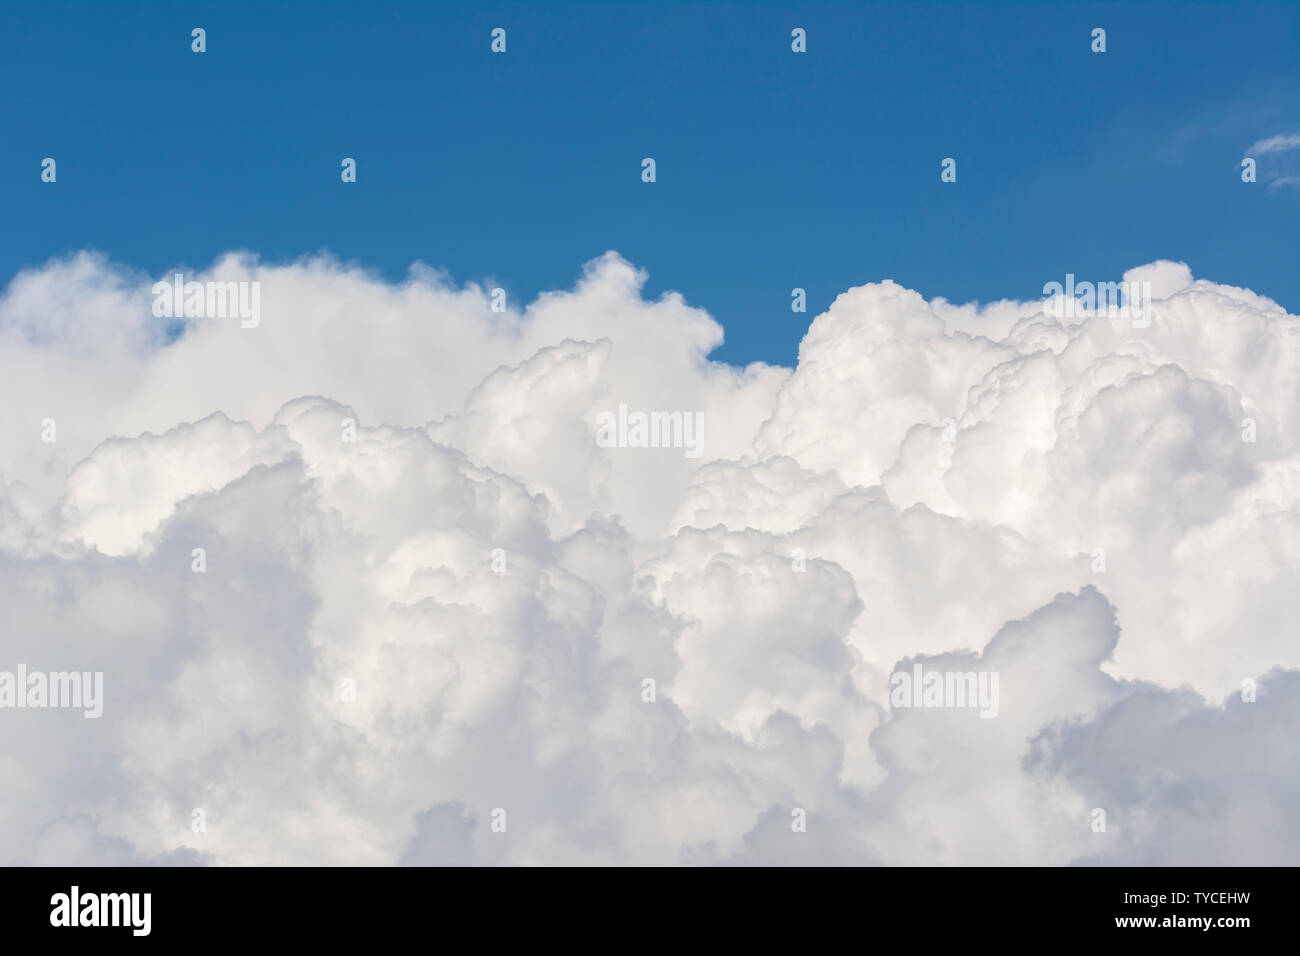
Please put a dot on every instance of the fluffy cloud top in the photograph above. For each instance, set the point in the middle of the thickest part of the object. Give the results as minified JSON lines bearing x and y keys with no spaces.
{"x":429,"y":594}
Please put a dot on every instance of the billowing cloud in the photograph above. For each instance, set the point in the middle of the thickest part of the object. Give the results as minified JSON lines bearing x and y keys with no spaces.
{"x":367,"y":582}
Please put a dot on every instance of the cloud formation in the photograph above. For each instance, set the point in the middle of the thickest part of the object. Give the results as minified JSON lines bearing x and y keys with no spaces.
{"x":1282,"y":168}
{"x":428,"y":594}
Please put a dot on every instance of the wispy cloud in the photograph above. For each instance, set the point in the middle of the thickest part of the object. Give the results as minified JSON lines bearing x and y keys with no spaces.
{"x":1282,"y":170}
{"x":1276,"y":144}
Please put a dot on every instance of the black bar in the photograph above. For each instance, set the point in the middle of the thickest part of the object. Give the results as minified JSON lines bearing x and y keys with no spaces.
{"x":986,"y":907}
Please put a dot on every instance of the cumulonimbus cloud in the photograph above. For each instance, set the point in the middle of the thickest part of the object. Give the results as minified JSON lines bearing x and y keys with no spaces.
{"x":434,"y":620}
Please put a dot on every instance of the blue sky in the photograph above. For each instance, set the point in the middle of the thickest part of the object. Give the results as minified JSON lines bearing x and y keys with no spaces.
{"x":775,"y":169}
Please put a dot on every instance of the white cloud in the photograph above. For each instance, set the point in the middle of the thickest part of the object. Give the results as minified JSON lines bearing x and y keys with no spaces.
{"x":1276,"y":144}
{"x":399,"y":491}
{"x":1281,"y":165}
